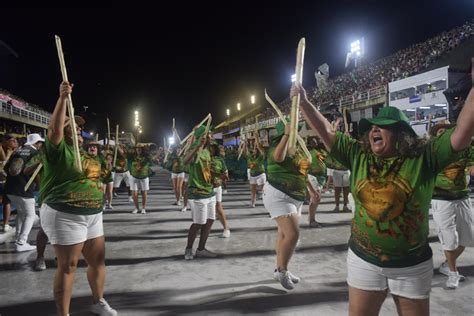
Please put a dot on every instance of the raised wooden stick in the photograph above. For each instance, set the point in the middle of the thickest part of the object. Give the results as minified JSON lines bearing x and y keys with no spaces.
{"x":346,"y":126}
{"x":33,"y":176}
{"x":70,"y":107}
{"x":116,"y":144}
{"x":190,"y":134}
{"x":108,"y":131}
{"x":295,"y":102}
{"x":299,"y":139}
{"x":428,"y":130}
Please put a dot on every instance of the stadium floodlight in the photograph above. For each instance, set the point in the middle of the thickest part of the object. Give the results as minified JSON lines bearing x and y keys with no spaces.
{"x":170,"y":140}
{"x":252,"y":99}
{"x":228,"y":112}
{"x":425,"y":107}
{"x":91,"y":133}
{"x":123,"y":132}
{"x":293,"y":77}
{"x":238,"y":106}
{"x":410,"y":110}
{"x":440,"y":104}
{"x":355,"y":47}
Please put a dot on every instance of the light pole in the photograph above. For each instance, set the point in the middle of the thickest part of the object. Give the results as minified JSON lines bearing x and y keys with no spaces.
{"x":238,"y":106}
{"x":252,"y":99}
{"x":228,"y":112}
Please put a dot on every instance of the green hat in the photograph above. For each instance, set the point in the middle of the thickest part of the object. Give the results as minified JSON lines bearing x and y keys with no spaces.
{"x":387,"y":116}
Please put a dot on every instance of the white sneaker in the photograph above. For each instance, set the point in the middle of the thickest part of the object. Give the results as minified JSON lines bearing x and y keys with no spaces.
{"x":285,"y":280}
{"x":7,"y":228}
{"x":108,"y":207}
{"x":188,"y":254}
{"x":205,"y":253}
{"x":115,"y":194}
{"x":453,"y":280}
{"x":178,"y":203}
{"x":130,"y":199}
{"x":135,"y":211}
{"x":224,"y":191}
{"x":184,"y":209}
{"x":143,"y":211}
{"x":252,"y":205}
{"x":293,"y":277}
{"x":24,"y":247}
{"x":444,"y":269}
{"x":226,"y":233}
{"x":103,"y":308}
{"x":40,"y":264}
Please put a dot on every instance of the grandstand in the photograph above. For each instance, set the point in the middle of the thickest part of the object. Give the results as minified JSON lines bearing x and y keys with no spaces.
{"x":364,"y":90}
{"x":20,"y":117}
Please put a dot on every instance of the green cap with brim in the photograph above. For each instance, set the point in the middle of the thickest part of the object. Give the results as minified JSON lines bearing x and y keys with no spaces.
{"x":387,"y":116}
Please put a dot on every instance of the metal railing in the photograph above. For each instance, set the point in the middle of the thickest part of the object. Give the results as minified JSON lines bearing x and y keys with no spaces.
{"x":23,"y":113}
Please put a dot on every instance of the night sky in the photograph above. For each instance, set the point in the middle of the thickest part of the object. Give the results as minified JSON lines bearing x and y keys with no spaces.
{"x":184,"y":60}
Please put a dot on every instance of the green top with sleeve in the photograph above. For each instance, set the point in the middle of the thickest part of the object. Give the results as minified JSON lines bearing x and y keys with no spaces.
{"x":451,"y":183}
{"x":255,"y":162}
{"x":121,"y":164}
{"x":392,"y":198}
{"x":318,"y":165}
{"x":289,"y":176}
{"x":63,"y":187}
{"x":140,"y":166}
{"x":200,"y":179}
{"x":177,"y":165}
{"x":218,"y":170}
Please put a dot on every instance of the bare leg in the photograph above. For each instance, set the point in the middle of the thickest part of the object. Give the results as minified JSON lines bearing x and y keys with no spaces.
{"x":41,"y":241}
{"x":205,"y":230}
{"x":253,"y":196}
{"x":337,"y":195}
{"x":185,"y":193}
{"x":345,"y":192}
{"x":451,"y":257}
{"x":288,"y":225}
{"x":67,"y":256}
{"x":412,"y":307}
{"x":94,"y":253}
{"x":221,"y":214}
{"x":193,"y":231}
{"x":315,"y":198}
{"x":176,"y":189}
{"x":365,"y":303}
{"x":6,"y":210}
{"x":144,"y":199}
{"x":135,"y":198}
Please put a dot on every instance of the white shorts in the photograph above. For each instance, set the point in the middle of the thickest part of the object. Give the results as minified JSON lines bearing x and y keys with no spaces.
{"x":410,"y":282}
{"x":121,"y":176}
{"x":258,"y":180}
{"x":218,"y":195}
{"x":177,"y":175}
{"x":329,"y":172}
{"x":69,"y":229}
{"x":203,"y":209}
{"x":186,"y":177}
{"x":313,"y":181}
{"x":455,"y":223}
{"x":341,"y":178}
{"x":139,"y":184}
{"x":278,"y":203}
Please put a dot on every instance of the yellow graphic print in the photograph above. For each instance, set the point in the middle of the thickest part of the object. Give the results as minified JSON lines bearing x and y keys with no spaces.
{"x":384,"y":200}
{"x":303,"y":163}
{"x":91,"y":168}
{"x":455,"y":172}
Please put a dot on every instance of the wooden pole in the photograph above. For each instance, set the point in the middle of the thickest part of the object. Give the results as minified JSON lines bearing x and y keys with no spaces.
{"x":70,"y":107}
{"x":108,"y":131}
{"x":295,"y":102}
{"x":299,"y":139}
{"x":33,"y":176}
{"x":116,"y":144}
{"x":190,"y":134}
{"x":346,"y":126}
